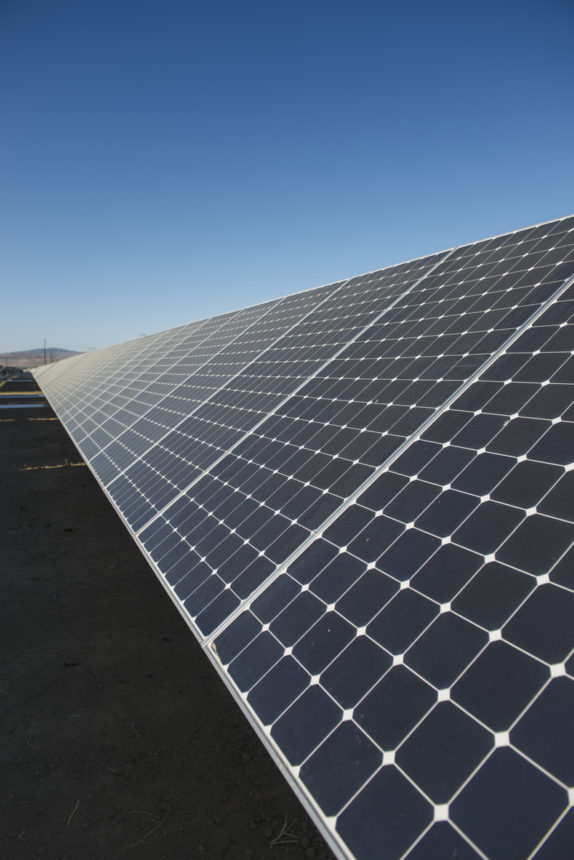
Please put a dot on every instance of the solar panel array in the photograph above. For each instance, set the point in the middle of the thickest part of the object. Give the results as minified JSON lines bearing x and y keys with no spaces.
{"x":361,"y":499}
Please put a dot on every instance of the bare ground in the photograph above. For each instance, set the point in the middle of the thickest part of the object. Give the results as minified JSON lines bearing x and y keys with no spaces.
{"x":118,"y":739}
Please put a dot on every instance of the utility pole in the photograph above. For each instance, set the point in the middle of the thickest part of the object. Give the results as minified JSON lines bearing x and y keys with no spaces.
{"x":44,"y":350}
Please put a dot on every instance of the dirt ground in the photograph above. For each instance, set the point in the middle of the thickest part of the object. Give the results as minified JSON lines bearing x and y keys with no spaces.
{"x":118,"y":740}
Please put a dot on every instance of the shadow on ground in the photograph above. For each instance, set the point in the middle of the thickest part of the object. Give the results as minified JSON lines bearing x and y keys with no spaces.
{"x":118,"y":738}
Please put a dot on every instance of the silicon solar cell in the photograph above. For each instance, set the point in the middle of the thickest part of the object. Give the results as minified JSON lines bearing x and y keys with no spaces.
{"x":360,"y":499}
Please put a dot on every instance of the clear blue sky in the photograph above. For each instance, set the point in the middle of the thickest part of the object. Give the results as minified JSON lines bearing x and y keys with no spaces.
{"x":165,"y":160}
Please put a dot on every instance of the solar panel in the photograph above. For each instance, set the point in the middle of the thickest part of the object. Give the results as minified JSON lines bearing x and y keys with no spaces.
{"x":360,"y":499}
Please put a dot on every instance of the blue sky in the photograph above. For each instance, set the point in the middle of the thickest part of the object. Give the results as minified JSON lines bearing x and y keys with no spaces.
{"x":165,"y":160}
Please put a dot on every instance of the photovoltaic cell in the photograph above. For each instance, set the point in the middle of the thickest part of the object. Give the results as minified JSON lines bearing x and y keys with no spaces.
{"x":360,"y":498}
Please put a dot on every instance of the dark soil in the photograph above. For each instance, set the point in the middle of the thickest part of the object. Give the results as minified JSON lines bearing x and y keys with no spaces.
{"x":118,"y":739}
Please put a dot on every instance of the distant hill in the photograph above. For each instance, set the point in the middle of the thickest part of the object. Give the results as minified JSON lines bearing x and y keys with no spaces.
{"x":34,"y":357}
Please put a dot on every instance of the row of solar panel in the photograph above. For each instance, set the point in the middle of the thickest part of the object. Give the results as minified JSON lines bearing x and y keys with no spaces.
{"x":380,"y":562}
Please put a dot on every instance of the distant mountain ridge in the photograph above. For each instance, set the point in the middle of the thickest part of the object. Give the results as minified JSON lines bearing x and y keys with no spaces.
{"x":35,"y":357}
